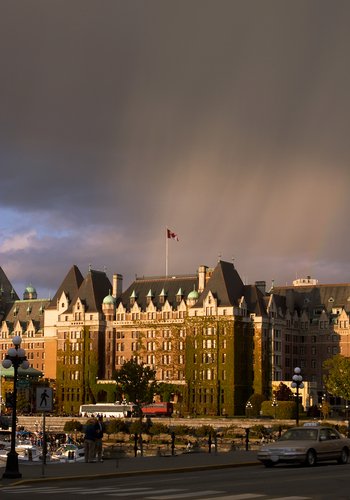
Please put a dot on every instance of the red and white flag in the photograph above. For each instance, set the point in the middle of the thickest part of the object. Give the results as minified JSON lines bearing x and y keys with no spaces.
{"x":172,"y":236}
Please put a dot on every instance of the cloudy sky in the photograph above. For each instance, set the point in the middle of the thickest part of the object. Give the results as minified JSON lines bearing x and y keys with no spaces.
{"x":226,"y":121}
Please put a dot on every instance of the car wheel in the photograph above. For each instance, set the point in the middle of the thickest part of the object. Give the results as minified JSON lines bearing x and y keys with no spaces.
{"x":344,"y":456}
{"x":268,"y":463}
{"x":310,"y":458}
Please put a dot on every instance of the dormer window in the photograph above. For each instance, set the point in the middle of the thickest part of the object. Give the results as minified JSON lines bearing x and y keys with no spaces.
{"x":162,"y":296}
{"x":179,"y":296}
{"x":149,"y":297}
{"x":133,"y":297}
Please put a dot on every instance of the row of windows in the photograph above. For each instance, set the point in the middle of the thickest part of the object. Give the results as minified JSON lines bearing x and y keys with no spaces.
{"x":150,"y":346}
{"x":28,"y":333}
{"x":36,"y":354}
{"x":70,"y":394}
{"x":164,"y":315}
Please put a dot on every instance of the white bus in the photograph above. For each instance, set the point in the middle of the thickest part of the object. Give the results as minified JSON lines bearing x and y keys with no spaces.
{"x":118,"y":410}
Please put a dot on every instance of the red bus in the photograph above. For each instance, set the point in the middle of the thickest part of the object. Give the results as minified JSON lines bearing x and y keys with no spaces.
{"x":158,"y":410}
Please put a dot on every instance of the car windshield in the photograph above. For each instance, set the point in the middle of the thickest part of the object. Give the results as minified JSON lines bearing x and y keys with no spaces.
{"x":299,"y":435}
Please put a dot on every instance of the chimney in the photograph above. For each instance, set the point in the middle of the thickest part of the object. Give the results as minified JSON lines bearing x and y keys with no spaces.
{"x":202,"y":272}
{"x":117,"y":285}
{"x":261,"y":285}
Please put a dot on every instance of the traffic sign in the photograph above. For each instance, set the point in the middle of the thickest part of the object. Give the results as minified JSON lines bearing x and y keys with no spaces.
{"x":44,"y":399}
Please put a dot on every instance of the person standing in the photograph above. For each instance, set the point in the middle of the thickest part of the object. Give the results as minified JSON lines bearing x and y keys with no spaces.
{"x":99,"y":438}
{"x":90,"y":440}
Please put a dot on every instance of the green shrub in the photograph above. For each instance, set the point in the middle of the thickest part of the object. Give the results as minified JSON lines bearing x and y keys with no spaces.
{"x":73,"y":425}
{"x":180,"y":430}
{"x":158,"y":428}
{"x":284,"y":410}
{"x":115,"y":425}
{"x":204,"y":430}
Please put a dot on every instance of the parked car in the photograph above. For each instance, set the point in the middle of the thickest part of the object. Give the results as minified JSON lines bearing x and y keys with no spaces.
{"x":306,"y":445}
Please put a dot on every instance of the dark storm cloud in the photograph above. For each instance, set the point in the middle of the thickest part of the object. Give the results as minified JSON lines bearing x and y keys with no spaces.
{"x":226,"y":119}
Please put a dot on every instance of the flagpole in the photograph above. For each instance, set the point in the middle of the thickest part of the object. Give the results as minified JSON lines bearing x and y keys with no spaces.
{"x":166,"y":252}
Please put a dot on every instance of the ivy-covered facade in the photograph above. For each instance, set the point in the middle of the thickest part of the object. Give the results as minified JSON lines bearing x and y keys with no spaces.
{"x":197,"y":332}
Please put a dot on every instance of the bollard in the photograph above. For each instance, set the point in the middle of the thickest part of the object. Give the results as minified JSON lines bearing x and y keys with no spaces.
{"x":247,"y":439}
{"x":209,"y":442}
{"x":135,"y":444}
{"x":173,"y":443}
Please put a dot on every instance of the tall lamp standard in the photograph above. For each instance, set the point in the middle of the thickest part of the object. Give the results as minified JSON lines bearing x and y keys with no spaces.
{"x":16,"y":357}
{"x":248,"y":407}
{"x":274,"y":405}
{"x":298,"y":384}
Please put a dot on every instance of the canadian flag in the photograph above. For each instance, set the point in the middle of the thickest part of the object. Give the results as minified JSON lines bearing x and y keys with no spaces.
{"x":172,"y":235}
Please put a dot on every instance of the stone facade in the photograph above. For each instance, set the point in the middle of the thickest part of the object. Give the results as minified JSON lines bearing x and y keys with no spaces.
{"x":216,"y":339}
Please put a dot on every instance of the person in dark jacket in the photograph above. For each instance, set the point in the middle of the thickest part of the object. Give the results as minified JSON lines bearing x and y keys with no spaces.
{"x":89,"y":440}
{"x":99,"y":438}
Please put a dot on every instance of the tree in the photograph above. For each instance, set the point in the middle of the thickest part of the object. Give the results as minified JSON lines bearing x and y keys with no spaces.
{"x":283,"y":393}
{"x":136,"y":381}
{"x":337,"y":376}
{"x":166,"y":391}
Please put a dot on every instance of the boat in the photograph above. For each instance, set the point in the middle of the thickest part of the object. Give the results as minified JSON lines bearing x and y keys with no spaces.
{"x":68,"y":452}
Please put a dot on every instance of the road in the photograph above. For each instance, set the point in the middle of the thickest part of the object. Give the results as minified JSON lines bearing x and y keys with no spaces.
{"x":323,"y":482}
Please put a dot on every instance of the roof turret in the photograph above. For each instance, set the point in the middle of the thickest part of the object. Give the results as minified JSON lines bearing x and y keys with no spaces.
{"x":109,"y":300}
{"x":193,"y":295}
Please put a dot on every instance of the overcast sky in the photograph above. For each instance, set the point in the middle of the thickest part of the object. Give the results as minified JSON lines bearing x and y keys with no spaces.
{"x":226,"y":121}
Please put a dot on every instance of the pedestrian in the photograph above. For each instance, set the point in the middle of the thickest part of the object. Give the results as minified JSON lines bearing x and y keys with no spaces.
{"x":99,"y":438}
{"x":89,"y":440}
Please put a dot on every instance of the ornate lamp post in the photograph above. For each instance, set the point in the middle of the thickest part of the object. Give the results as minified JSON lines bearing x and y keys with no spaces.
{"x":274,"y":405}
{"x":298,"y":384}
{"x":15,"y":357}
{"x":248,"y":407}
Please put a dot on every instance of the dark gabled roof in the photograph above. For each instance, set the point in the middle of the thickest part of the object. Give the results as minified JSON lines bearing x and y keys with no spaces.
{"x":27,"y":310}
{"x":316,"y":297}
{"x":92,"y":291}
{"x":142,"y":286}
{"x":7,"y":295}
{"x":255,"y":300}
{"x":225,"y":284}
{"x":70,"y":285}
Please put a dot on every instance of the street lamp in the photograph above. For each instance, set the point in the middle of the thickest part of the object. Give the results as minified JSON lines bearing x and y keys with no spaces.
{"x":248,"y":407}
{"x":274,"y":404}
{"x":16,"y":357}
{"x":298,"y":384}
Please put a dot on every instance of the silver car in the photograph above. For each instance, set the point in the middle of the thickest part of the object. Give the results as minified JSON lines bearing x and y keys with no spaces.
{"x":306,"y":445}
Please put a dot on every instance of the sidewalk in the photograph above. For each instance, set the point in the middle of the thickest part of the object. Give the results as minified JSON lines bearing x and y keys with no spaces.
{"x":35,"y":471}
